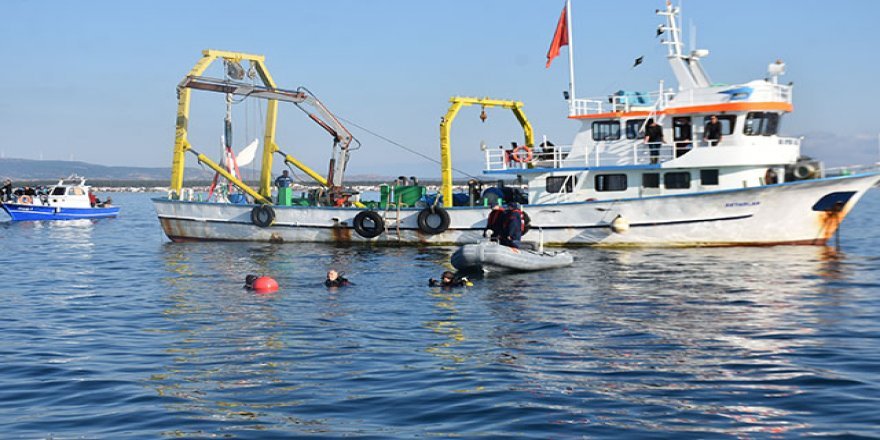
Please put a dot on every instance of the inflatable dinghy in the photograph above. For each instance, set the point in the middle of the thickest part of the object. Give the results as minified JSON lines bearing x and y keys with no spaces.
{"x":491,"y":256}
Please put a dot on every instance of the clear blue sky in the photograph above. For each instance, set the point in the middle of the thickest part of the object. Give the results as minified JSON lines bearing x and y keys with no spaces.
{"x":95,"y":80}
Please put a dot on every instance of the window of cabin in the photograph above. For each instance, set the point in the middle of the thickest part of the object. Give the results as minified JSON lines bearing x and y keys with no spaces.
{"x":709,"y":177}
{"x":728,"y":122}
{"x":610,"y":182}
{"x":651,"y":180}
{"x":58,"y":191}
{"x":77,"y":191}
{"x":559,"y":184}
{"x":606,"y":130}
{"x":681,"y":127}
{"x":761,"y":124}
{"x":771,"y":126}
{"x":680,"y":180}
{"x":635,"y":129}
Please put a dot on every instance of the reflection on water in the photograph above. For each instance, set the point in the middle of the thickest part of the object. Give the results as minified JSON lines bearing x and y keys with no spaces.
{"x":133,"y":336}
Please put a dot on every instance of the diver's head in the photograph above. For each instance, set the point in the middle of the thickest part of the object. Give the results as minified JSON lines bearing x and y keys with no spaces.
{"x":448,"y":276}
{"x":332,"y":275}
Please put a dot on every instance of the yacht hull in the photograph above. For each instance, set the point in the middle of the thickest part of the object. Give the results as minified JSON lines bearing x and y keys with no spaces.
{"x":803,"y":212}
{"x":26,"y":212}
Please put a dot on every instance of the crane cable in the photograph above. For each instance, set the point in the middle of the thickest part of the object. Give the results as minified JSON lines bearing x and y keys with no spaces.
{"x":397,"y":144}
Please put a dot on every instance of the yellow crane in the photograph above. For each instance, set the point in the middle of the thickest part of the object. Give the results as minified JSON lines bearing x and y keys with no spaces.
{"x":446,"y":126}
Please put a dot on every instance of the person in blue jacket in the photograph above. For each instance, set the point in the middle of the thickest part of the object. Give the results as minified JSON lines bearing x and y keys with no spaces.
{"x":284,"y":180}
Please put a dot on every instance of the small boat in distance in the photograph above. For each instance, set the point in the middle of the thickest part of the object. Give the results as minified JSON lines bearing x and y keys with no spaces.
{"x":69,"y":199}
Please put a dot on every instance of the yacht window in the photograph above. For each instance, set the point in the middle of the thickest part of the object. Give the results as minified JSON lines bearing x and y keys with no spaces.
{"x":611,"y":182}
{"x":727,"y":123}
{"x":58,"y":191}
{"x":635,"y":129}
{"x":651,"y":180}
{"x":677,"y":180}
{"x":561,"y":184}
{"x":761,"y":124}
{"x":709,"y":177}
{"x":78,"y":191}
{"x":771,"y":124}
{"x":606,"y":130}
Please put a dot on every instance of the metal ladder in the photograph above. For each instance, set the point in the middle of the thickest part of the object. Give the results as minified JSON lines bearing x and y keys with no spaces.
{"x":396,"y":218}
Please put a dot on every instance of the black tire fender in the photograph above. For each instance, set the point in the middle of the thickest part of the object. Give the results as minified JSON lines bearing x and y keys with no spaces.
{"x":527,"y":223}
{"x":364,"y":229}
{"x":263,"y":216}
{"x":437,"y":228}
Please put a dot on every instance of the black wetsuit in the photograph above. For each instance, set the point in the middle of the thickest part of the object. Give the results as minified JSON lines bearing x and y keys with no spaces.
{"x":338,"y":282}
{"x":456,"y":282}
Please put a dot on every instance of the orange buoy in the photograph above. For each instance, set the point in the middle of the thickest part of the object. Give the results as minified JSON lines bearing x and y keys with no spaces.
{"x":265,"y":285}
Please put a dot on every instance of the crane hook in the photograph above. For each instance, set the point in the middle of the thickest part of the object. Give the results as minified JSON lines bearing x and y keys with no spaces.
{"x":483,"y":115}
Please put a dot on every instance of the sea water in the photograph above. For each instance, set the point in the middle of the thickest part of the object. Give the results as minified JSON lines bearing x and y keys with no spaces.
{"x":108,"y":330}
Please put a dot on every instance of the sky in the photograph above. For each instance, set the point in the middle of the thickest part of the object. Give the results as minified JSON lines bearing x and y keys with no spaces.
{"x":95,"y":80}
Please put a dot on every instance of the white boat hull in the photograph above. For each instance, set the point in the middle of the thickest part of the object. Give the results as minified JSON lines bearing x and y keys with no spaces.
{"x":768,"y":215}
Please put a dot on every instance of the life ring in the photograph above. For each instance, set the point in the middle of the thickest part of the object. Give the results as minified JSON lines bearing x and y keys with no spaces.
{"x":433,"y":220}
{"x":263,"y":216}
{"x":26,"y":200}
{"x":368,"y":230}
{"x":518,"y":156}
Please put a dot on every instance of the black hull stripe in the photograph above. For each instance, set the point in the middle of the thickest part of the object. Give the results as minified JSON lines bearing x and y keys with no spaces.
{"x":595,"y":226}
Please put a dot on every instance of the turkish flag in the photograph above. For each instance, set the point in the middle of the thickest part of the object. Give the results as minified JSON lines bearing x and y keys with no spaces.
{"x":560,"y":38}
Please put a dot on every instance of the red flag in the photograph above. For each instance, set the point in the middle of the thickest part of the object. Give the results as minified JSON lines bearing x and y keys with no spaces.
{"x":560,"y":38}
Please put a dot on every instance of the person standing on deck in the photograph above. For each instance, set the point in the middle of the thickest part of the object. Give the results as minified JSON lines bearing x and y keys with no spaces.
{"x":6,"y":191}
{"x":712,"y":133}
{"x":284,"y":180}
{"x":654,"y":139}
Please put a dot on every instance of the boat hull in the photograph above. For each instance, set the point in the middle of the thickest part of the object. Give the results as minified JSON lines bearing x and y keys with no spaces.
{"x":788,"y":213}
{"x":493,"y":257}
{"x":25,"y":212}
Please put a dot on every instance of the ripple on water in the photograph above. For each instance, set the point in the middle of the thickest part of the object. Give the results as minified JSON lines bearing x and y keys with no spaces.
{"x":127,"y":335}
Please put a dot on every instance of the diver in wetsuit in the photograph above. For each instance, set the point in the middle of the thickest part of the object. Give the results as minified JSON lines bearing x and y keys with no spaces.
{"x":448,"y":279}
{"x":335,"y":280}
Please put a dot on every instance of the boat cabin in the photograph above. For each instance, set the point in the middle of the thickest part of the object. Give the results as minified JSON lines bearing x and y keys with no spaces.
{"x":612,"y":158}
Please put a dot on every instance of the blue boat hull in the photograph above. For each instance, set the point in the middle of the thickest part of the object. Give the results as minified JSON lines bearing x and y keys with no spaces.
{"x":20,"y":212}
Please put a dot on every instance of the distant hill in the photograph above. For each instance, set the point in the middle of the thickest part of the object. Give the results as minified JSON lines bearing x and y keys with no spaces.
{"x":26,"y":169}
{"x":50,"y":170}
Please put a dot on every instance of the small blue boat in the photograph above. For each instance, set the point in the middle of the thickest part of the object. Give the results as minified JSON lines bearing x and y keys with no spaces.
{"x":70,"y":199}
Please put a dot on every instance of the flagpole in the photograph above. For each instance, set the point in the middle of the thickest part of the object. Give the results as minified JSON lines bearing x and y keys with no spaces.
{"x":570,"y":57}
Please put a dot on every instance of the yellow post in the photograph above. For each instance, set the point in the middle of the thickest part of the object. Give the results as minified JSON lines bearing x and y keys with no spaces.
{"x":180,"y":133}
{"x":446,"y":153}
{"x":243,"y":186}
{"x":269,"y":147}
{"x":446,"y":126}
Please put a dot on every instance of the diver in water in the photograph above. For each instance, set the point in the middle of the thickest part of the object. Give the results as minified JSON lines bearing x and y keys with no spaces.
{"x":448,"y":279}
{"x":335,"y":280}
{"x":249,"y":282}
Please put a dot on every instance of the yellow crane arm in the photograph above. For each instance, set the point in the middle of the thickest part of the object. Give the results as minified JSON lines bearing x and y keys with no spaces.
{"x":457,"y":102}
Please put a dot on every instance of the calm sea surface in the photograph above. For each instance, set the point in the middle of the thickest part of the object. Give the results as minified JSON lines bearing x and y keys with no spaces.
{"x":107,"y":330}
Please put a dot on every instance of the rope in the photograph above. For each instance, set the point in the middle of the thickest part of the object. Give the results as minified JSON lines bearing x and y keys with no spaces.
{"x":397,"y":144}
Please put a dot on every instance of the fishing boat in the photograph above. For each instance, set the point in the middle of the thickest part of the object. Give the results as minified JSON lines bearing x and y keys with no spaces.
{"x":490,"y":256}
{"x":69,"y":199}
{"x":734,"y":182}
